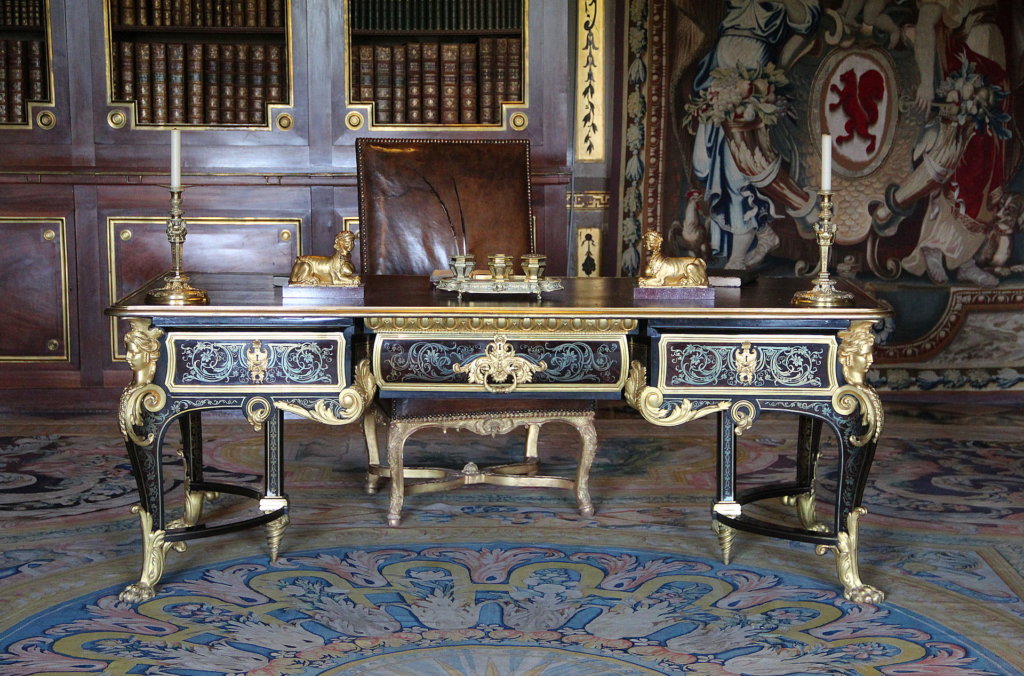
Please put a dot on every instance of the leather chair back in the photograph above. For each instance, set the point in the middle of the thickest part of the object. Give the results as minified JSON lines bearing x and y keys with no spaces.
{"x":422,"y":200}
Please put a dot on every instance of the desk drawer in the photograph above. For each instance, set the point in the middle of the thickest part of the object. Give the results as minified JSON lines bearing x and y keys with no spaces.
{"x":708,"y":364}
{"x":451,"y":363}
{"x":257,"y":361}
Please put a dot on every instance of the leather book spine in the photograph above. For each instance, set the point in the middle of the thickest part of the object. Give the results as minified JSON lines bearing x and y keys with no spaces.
{"x":262,"y":13}
{"x":128,"y":12}
{"x":37,"y":89}
{"x":4,"y":105}
{"x":168,"y":13}
{"x":413,"y":83}
{"x":158,"y":81}
{"x":142,"y":12}
{"x":365,"y":73}
{"x":185,"y":10}
{"x":488,"y":110}
{"x":221,"y":13}
{"x":143,"y":87}
{"x":158,"y":12}
{"x":194,"y":83}
{"x":515,"y":69}
{"x":16,"y":81}
{"x":258,"y":84}
{"x":115,"y":70}
{"x":227,"y":84}
{"x":209,"y":13}
{"x":242,"y":100}
{"x":382,"y":84}
{"x":275,"y":75}
{"x":467,"y":83}
{"x":176,"y":83}
{"x":211,"y":83}
{"x":431,"y":83}
{"x":251,"y":13}
{"x":500,"y":71}
{"x":398,"y":82}
{"x":276,"y":13}
{"x":449,"y":83}
{"x":127,"y":67}
{"x":237,"y":14}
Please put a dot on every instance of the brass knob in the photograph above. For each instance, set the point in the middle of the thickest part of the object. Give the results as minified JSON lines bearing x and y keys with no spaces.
{"x":52,"y":345}
{"x":117,"y":119}
{"x":49,"y":234}
{"x":46,"y":119}
{"x":354,"y":120}
{"x":285,"y":121}
{"x":125,"y":235}
{"x":284,"y":235}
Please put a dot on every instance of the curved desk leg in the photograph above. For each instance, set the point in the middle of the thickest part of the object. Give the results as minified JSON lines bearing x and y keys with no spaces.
{"x":854,"y":463}
{"x":371,"y":422}
{"x":192,"y":457}
{"x":273,"y":489}
{"x":726,"y":503}
{"x":807,"y":454}
{"x":149,"y":477}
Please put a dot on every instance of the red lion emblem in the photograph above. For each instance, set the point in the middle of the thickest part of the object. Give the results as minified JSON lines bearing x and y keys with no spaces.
{"x":859,"y":101}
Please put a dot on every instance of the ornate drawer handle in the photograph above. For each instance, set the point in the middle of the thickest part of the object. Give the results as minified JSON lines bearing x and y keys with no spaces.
{"x":497,"y":365}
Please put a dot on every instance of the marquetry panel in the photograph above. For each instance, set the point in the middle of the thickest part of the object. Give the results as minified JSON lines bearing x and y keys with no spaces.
{"x":581,"y":363}
{"x":709,"y":364}
{"x":256,"y":361}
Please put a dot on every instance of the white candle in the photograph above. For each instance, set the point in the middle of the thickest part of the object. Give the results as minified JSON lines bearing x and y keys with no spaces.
{"x":175,"y":159}
{"x":826,"y":162}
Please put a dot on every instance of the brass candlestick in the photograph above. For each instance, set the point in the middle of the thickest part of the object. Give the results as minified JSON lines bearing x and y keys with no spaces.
{"x":176,"y":290}
{"x":824,"y":293}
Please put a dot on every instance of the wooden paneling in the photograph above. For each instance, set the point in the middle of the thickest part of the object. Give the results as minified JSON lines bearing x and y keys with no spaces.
{"x":246,"y":187}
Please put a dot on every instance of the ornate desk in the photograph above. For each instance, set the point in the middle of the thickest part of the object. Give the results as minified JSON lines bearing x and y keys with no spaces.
{"x":748,"y":351}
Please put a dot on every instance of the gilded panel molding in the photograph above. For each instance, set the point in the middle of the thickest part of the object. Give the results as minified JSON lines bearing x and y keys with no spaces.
{"x":535,"y":325}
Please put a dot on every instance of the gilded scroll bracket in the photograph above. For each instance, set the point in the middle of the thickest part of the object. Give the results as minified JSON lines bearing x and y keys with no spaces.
{"x":351,"y":402}
{"x":855,"y":356}
{"x":649,"y":401}
{"x":143,"y":351}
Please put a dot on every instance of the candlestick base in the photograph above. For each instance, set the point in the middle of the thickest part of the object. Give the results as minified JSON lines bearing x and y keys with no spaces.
{"x":177,"y":291}
{"x":823,"y":294}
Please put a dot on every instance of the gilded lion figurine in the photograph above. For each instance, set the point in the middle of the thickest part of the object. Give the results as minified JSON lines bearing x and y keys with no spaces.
{"x":333,"y":270}
{"x":664,"y":270}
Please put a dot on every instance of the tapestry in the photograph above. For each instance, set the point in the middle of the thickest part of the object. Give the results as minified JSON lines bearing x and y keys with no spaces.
{"x":725,"y":104}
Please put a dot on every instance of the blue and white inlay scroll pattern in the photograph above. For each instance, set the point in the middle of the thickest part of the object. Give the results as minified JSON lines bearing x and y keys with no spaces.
{"x":776,"y":366}
{"x":223,"y":362}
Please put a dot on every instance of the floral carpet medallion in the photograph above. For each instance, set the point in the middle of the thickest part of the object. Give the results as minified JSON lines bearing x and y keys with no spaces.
{"x":493,"y":608}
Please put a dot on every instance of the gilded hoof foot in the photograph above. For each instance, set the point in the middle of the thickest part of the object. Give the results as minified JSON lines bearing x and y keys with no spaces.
{"x":134,"y":593}
{"x":864,"y":594}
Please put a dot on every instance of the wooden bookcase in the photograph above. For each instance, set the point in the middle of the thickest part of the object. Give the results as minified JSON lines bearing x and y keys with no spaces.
{"x":436,"y":62}
{"x":198,"y":63}
{"x":25,"y":62}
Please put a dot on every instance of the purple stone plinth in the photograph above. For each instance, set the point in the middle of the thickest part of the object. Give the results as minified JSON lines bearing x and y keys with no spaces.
{"x":674,"y":292}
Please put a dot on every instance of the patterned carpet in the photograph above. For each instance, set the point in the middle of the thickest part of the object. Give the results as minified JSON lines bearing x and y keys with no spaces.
{"x":490,"y":580}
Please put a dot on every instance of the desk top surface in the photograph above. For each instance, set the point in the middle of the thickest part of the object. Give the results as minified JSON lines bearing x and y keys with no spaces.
{"x":245,"y":294}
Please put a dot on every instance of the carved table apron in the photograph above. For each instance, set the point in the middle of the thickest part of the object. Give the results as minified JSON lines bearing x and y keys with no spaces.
{"x":749,"y":351}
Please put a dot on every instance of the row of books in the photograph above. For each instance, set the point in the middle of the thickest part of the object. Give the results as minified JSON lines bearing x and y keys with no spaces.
{"x":214,"y":84}
{"x":22,"y":13}
{"x":436,"y":15}
{"x":23,"y":78}
{"x":213,"y":13}
{"x":438,"y":83}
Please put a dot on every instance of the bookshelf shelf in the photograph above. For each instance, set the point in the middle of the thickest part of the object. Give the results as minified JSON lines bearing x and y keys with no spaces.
{"x":450,"y":63}
{"x":200,"y":63}
{"x":24,"y":60}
